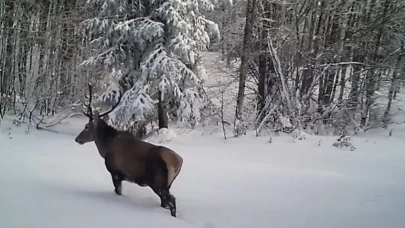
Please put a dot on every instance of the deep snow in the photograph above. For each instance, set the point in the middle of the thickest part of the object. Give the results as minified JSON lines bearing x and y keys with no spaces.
{"x":50,"y":181}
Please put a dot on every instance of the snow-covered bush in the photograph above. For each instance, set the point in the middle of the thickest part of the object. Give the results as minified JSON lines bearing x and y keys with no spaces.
{"x":344,"y":141}
{"x":151,"y":48}
{"x":299,"y":135}
{"x":161,"y":135}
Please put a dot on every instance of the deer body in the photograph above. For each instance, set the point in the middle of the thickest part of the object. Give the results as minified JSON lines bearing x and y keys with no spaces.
{"x":128,"y":158}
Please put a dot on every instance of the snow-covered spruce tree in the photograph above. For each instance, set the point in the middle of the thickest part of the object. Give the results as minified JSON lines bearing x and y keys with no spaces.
{"x":150,"y":50}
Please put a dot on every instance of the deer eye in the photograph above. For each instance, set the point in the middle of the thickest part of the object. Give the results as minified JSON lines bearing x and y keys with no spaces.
{"x":86,"y":126}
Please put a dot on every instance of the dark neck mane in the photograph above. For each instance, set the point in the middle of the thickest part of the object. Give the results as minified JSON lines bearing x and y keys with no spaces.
{"x":104,"y":134}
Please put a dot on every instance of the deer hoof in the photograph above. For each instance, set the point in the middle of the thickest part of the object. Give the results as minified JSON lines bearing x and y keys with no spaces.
{"x":118,"y":191}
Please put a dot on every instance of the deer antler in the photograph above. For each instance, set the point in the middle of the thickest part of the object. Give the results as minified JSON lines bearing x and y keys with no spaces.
{"x":118,"y":102}
{"x":90,"y":113}
{"x":89,"y":109}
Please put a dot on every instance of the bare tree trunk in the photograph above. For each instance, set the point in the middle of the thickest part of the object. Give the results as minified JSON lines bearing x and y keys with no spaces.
{"x":394,"y":85}
{"x":162,"y":112}
{"x":265,"y":65}
{"x":314,"y":28}
{"x":250,"y":17}
{"x":332,"y":77}
{"x":371,"y":76}
{"x":347,"y":24}
{"x":7,"y":67}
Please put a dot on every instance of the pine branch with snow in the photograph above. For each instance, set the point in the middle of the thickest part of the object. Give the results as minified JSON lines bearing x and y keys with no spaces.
{"x":157,"y":45}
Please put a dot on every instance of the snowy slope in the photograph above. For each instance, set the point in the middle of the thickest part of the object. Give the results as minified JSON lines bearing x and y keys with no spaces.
{"x":50,"y":181}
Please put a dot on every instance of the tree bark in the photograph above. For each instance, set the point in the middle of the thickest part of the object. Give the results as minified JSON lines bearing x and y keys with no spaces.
{"x":371,"y":76}
{"x":394,"y":85}
{"x":162,"y":112}
{"x":250,"y":17}
{"x":264,"y":64}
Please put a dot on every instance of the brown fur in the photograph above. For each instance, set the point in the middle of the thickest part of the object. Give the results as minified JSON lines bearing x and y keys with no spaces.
{"x":174,"y":161}
{"x":131,"y":159}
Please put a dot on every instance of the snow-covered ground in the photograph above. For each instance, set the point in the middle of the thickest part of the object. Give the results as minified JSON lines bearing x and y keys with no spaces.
{"x":49,"y":181}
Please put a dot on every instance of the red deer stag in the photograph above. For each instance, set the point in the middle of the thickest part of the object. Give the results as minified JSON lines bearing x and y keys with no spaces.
{"x":131,"y":159}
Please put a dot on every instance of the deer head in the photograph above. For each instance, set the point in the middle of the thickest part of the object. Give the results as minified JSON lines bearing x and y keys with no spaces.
{"x":90,"y":129}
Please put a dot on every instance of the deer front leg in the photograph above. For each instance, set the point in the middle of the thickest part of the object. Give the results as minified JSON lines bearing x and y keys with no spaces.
{"x":117,"y":181}
{"x":116,"y":176}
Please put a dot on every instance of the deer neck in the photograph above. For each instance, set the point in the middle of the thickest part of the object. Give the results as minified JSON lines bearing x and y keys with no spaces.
{"x":104,"y":136}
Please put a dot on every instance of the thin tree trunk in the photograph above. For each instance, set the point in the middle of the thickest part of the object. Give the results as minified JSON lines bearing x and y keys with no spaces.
{"x":394,"y":84}
{"x":7,"y":68}
{"x":250,"y":17}
{"x":263,"y":64}
{"x":162,"y":112}
{"x":371,"y":76}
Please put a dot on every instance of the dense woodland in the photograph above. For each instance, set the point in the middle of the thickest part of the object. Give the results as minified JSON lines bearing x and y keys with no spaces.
{"x":301,"y":64}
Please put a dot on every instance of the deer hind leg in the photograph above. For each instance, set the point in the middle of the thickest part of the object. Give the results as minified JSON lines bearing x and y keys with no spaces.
{"x":157,"y":183}
{"x":170,"y":201}
{"x":157,"y":180}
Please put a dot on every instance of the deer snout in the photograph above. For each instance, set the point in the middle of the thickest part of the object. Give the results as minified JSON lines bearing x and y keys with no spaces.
{"x":79,"y":141}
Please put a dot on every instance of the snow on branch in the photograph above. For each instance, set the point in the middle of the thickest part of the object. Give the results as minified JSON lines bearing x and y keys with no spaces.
{"x":207,"y":5}
{"x":108,"y":58}
{"x":135,"y":105}
{"x":111,"y":94}
{"x":161,"y":45}
{"x":142,"y":29}
{"x":276,"y":61}
{"x":190,"y":105}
